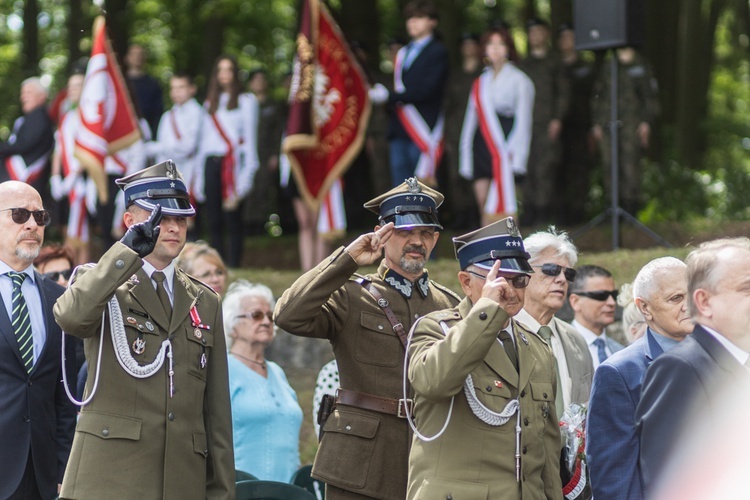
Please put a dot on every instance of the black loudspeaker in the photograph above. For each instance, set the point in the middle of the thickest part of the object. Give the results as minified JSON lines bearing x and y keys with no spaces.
{"x":608,"y":24}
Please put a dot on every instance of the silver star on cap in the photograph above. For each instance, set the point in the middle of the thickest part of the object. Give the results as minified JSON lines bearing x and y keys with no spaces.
{"x":172,"y":185}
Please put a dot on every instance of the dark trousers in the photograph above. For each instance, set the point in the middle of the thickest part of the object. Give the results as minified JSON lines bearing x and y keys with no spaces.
{"x":27,"y":489}
{"x":221,"y":222}
{"x":105,"y":212}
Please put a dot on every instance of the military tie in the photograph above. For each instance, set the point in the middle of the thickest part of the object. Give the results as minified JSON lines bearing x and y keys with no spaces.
{"x":21,"y":321}
{"x":546,"y":333}
{"x":161,"y":292}
{"x":510,"y":349}
{"x":600,"y":345}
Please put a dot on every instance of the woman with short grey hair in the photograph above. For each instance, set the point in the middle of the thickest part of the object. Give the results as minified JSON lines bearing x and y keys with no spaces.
{"x":266,"y":416}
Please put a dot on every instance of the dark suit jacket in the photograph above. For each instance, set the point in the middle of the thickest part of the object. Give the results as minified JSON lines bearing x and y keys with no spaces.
{"x":34,"y":138}
{"x":611,"y":439}
{"x":692,"y":375}
{"x":424,"y":81}
{"x":36,"y":414}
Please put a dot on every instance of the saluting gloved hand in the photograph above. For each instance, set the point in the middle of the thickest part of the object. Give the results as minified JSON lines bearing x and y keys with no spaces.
{"x":141,"y":237}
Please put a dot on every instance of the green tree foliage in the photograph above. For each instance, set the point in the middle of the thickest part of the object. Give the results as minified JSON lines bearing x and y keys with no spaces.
{"x":699,"y":50}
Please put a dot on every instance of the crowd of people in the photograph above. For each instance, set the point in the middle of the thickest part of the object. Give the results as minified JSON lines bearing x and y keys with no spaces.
{"x":164,"y":389}
{"x":502,"y":134}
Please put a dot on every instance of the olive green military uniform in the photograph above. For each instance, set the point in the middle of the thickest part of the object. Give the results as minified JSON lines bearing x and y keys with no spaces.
{"x":551,"y":95}
{"x":474,"y":460}
{"x":134,"y":439}
{"x":362,"y":452}
{"x":636,"y":103}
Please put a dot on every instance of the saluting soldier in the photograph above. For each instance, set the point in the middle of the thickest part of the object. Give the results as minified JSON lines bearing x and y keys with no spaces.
{"x":484,"y":387}
{"x":158,"y":424}
{"x":364,"y":449}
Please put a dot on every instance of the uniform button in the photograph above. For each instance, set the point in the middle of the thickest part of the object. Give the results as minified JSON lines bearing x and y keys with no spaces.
{"x":526,"y":421}
{"x":203,"y":340}
{"x":26,"y":419}
{"x":380,"y":327}
{"x":105,"y":432}
{"x":348,"y":427}
{"x":524,"y":450}
{"x":30,"y":382}
{"x":171,"y":336}
{"x":523,"y":393}
{"x":489,"y":388}
{"x":170,"y":416}
{"x":120,"y":264}
{"x":483,"y":315}
{"x":416,"y":316}
{"x":544,"y":395}
{"x":449,"y":497}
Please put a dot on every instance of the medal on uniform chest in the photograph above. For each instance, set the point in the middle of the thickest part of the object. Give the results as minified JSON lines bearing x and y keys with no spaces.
{"x":204,"y":359}
{"x":195,"y":319}
{"x":139,"y":345}
{"x":149,"y":326}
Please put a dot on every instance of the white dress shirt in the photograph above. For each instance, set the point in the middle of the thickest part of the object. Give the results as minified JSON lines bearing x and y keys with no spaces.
{"x":590,"y":337}
{"x":738,"y":354}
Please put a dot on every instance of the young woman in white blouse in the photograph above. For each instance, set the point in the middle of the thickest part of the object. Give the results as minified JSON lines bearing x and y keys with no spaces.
{"x":496,"y":132}
{"x":230,"y":151}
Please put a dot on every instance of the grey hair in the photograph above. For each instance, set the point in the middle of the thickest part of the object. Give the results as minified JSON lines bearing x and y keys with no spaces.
{"x":646,"y":281}
{"x":559,"y":241}
{"x":237,"y":291}
{"x":36,"y":82}
{"x":631,"y":315}
{"x":703,"y":269}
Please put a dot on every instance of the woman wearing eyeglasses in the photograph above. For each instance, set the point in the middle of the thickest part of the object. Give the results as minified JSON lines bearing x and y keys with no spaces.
{"x":266,"y":416}
{"x":202,"y":261}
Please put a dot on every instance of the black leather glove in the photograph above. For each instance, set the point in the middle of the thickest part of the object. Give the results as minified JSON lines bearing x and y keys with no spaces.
{"x":141,"y":237}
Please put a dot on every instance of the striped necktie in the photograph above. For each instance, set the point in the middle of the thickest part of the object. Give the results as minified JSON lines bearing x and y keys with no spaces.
{"x":21,"y":321}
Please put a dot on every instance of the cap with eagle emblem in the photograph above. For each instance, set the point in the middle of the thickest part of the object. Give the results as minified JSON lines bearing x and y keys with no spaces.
{"x":410,"y":204}
{"x":160,"y":184}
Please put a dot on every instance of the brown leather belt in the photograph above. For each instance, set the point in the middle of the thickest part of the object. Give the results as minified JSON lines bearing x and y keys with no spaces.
{"x":375,"y":403}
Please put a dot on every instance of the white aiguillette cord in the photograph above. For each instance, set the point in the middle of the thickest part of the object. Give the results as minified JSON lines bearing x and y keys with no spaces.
{"x":484,"y":414}
{"x":122,"y":351}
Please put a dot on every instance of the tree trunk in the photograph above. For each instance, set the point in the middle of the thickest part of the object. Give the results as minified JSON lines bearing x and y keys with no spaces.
{"x":75,"y":25}
{"x":30,"y":62}
{"x":118,"y":27}
{"x":359,"y":21}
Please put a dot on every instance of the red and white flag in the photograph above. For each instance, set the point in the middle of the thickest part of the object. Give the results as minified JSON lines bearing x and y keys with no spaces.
{"x":108,"y":121}
{"x":329,"y":105}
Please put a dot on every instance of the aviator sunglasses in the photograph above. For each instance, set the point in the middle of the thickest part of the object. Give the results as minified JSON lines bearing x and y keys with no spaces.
{"x":600,"y":295}
{"x":21,"y":215}
{"x":518,"y":281}
{"x":256,"y":315}
{"x":54,"y":276}
{"x":554,"y":270}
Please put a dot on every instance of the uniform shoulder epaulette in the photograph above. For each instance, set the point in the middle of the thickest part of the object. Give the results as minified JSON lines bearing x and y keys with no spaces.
{"x":196,"y":280}
{"x":445,"y":289}
{"x":360,"y":278}
{"x":443,"y":314}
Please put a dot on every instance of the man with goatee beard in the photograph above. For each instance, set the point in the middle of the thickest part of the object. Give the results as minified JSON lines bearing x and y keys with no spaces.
{"x":37,"y":420}
{"x":364,"y":447}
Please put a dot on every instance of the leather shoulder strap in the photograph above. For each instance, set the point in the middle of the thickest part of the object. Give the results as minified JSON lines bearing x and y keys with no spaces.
{"x":398,"y":327}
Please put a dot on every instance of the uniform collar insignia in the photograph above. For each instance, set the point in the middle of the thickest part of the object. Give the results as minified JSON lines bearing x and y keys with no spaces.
{"x":406,"y":287}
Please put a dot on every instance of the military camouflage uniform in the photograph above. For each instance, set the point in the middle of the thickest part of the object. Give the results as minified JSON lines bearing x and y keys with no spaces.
{"x":550,"y":103}
{"x":577,"y":160}
{"x":637,"y":103}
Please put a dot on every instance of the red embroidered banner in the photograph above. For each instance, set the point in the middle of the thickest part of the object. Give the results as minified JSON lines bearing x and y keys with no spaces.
{"x":108,"y":121}
{"x":329,"y":105}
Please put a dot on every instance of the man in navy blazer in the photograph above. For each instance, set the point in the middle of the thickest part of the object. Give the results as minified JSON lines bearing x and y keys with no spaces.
{"x":708,"y":365}
{"x":37,"y":420}
{"x":660,"y":291}
{"x":420,"y":73}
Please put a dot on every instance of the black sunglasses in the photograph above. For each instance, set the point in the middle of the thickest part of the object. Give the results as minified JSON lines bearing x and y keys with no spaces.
{"x":600,"y":295}
{"x":256,"y":315}
{"x":519,"y":281}
{"x":54,"y":276}
{"x":21,"y":215}
{"x":554,"y":270}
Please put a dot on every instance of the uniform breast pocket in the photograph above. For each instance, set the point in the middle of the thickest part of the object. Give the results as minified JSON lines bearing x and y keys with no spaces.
{"x":200,"y":347}
{"x":144,"y":339}
{"x":377,"y":344}
{"x":544,"y":400}
{"x":494,"y":394}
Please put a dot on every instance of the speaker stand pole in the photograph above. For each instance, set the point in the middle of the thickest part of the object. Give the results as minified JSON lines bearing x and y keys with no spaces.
{"x":615,"y":211}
